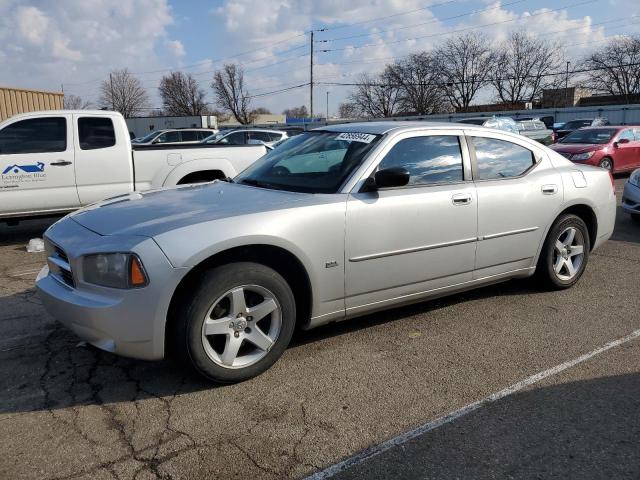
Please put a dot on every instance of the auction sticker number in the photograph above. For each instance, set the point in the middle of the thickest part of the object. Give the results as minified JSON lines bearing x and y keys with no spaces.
{"x":356,"y":137}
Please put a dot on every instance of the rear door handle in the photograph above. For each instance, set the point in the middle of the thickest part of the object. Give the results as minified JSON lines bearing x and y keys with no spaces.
{"x":461,"y":199}
{"x":549,"y":189}
{"x":60,"y":163}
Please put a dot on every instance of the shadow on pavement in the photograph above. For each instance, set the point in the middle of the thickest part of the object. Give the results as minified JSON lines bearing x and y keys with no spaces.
{"x":48,"y":370}
{"x":579,"y":430}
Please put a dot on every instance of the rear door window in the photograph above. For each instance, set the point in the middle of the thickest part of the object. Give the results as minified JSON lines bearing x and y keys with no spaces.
{"x":497,"y":159}
{"x":95,"y":133}
{"x":169,"y":137}
{"x":189,"y":136}
{"x":35,"y":135}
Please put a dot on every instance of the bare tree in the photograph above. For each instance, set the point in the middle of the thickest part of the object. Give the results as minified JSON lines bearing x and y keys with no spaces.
{"x":464,"y":64}
{"x":347,"y":110}
{"x":230,"y":93}
{"x":296,"y":112}
{"x":522,"y":67}
{"x":123,"y":93}
{"x":181,"y":95}
{"x":376,"y":96}
{"x":615,"y":68}
{"x":418,"y":79}
{"x":261,"y":111}
{"x":74,"y":102}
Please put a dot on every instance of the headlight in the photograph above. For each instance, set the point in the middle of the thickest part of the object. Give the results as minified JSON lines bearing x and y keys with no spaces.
{"x":115,"y":270}
{"x":582,"y":156}
{"x":634,"y":179}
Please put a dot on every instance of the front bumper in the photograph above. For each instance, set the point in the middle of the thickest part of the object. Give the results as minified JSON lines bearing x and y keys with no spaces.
{"x":128,"y":322}
{"x":631,"y":198}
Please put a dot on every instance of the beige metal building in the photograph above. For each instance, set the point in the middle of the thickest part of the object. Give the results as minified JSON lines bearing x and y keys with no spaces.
{"x":18,"y":100}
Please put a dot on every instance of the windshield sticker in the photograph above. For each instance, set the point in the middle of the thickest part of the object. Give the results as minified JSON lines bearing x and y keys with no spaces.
{"x":356,"y":137}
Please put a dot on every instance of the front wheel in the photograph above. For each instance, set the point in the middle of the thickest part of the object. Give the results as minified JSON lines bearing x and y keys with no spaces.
{"x":565,"y":253}
{"x":606,"y":163}
{"x":238,"y":323}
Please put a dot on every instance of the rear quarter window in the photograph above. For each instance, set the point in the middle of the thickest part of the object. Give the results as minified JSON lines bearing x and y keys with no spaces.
{"x":95,"y":133}
{"x":498,"y":159}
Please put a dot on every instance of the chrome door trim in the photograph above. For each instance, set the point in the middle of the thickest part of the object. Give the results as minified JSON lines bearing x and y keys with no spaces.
{"x":508,"y":233}
{"x":403,"y":251}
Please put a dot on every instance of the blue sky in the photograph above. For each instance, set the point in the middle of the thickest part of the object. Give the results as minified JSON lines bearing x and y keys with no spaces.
{"x":75,"y":43}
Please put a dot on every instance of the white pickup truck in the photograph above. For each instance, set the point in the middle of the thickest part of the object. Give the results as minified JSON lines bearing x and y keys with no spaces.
{"x":57,"y":161}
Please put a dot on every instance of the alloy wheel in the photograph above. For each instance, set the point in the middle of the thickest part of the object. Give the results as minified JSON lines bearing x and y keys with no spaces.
{"x":241,"y":326}
{"x":568,"y":253}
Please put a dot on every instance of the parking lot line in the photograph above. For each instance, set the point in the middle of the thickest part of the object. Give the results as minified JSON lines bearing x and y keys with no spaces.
{"x":450,"y":417}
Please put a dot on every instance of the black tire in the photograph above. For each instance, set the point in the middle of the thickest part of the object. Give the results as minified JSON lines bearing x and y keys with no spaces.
{"x":188,"y":327}
{"x":603,"y":164}
{"x":635,"y":217}
{"x":545,"y":270}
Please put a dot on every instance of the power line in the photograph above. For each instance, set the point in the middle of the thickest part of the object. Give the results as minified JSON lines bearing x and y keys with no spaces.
{"x":488,"y":80}
{"x":555,"y":32}
{"x":387,"y":16}
{"x":459,"y":30}
{"x":434,"y":20}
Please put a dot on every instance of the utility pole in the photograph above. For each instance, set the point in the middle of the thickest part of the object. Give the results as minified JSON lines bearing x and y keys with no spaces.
{"x":566,"y":87}
{"x":327,"y":105}
{"x":113,"y":107}
{"x":311,"y":81}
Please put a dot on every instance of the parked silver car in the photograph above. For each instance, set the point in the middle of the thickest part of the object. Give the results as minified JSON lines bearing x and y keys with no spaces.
{"x":335,"y":223}
{"x":175,"y":136}
{"x":246,"y":136}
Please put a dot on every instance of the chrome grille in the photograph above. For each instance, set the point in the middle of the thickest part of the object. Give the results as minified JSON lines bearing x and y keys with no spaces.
{"x":59,"y":266}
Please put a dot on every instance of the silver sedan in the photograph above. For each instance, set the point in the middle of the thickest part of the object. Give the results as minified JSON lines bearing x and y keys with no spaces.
{"x":335,"y":223}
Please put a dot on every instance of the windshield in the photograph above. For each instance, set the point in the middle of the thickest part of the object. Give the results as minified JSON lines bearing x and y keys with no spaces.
{"x":590,"y":135}
{"x":313,"y":162}
{"x":148,"y":137}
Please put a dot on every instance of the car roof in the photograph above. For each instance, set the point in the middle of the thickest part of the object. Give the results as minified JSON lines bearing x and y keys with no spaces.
{"x":270,"y":130}
{"x":383,"y":127}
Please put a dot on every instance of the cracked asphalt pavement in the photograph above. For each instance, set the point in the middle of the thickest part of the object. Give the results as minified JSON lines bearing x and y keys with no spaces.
{"x":69,"y":411}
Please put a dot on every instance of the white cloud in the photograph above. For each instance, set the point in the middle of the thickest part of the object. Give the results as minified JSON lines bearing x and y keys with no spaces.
{"x":77,"y":42}
{"x":32,"y":24}
{"x":176,"y":48}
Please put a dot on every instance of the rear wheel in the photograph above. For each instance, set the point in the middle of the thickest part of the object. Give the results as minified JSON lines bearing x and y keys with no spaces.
{"x":565,"y":253}
{"x":606,"y":163}
{"x":238,"y":323}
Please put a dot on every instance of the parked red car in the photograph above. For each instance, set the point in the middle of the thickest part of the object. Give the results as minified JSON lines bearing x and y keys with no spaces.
{"x":613,"y":148}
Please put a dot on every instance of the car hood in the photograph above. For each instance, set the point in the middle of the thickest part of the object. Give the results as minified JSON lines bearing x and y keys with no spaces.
{"x":576,"y":147}
{"x":154,"y":212}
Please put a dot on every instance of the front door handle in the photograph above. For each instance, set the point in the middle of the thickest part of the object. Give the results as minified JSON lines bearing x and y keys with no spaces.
{"x":461,"y":199}
{"x":549,"y":189}
{"x":60,"y":163}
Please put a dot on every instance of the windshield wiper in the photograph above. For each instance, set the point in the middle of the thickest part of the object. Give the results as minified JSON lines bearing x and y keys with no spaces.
{"x":259,"y":183}
{"x":227,"y":179}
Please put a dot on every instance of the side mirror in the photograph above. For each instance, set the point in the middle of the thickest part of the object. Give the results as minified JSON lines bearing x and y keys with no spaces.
{"x":387,"y":178}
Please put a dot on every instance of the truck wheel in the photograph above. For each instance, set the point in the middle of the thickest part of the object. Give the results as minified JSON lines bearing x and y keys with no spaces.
{"x":565,"y":253}
{"x":238,"y":323}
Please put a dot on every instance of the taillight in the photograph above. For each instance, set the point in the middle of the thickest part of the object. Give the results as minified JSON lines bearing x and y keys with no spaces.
{"x":613,"y":185}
